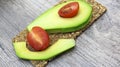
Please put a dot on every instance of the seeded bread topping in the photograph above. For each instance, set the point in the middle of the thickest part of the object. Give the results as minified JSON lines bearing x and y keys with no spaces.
{"x":98,"y":10}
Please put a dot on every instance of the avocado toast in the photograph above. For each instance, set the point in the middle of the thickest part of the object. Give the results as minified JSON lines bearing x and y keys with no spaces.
{"x":98,"y":10}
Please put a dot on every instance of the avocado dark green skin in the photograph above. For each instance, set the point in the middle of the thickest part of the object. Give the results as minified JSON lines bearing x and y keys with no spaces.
{"x":58,"y":47}
{"x":53,"y":23}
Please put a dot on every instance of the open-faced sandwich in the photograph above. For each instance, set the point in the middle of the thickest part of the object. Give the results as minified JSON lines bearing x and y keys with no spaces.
{"x":54,"y":32}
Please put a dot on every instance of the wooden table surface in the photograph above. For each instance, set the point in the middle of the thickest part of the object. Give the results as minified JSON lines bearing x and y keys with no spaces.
{"x":99,"y":46}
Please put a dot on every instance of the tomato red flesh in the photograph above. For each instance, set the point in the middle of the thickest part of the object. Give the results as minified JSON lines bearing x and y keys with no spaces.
{"x":38,"y":38}
{"x":69,"y":10}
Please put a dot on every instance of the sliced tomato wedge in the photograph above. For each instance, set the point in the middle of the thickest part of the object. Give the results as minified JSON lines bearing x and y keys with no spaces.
{"x":38,"y":38}
{"x":69,"y":10}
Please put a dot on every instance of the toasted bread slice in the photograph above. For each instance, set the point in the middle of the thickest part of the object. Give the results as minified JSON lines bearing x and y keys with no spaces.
{"x":98,"y":10}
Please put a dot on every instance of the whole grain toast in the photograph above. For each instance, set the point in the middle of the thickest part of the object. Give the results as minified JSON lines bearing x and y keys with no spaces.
{"x":98,"y":10}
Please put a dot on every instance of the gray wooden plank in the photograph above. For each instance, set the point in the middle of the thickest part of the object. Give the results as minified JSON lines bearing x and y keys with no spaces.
{"x":99,"y":46}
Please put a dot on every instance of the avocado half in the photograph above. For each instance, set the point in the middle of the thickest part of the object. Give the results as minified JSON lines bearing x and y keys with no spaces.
{"x":60,"y":46}
{"x":52,"y":22}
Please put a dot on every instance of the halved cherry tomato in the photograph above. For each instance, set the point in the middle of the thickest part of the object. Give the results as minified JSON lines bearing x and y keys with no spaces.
{"x":69,"y":10}
{"x":38,"y":38}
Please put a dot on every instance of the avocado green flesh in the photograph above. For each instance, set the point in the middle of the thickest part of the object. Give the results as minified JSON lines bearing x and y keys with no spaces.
{"x":60,"y":46}
{"x":70,"y":29}
{"x":50,"y":20}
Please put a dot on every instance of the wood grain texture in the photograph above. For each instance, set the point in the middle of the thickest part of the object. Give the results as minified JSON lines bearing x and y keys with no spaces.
{"x":99,"y":46}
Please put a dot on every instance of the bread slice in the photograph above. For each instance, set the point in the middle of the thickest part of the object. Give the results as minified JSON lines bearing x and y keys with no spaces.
{"x":98,"y":10}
